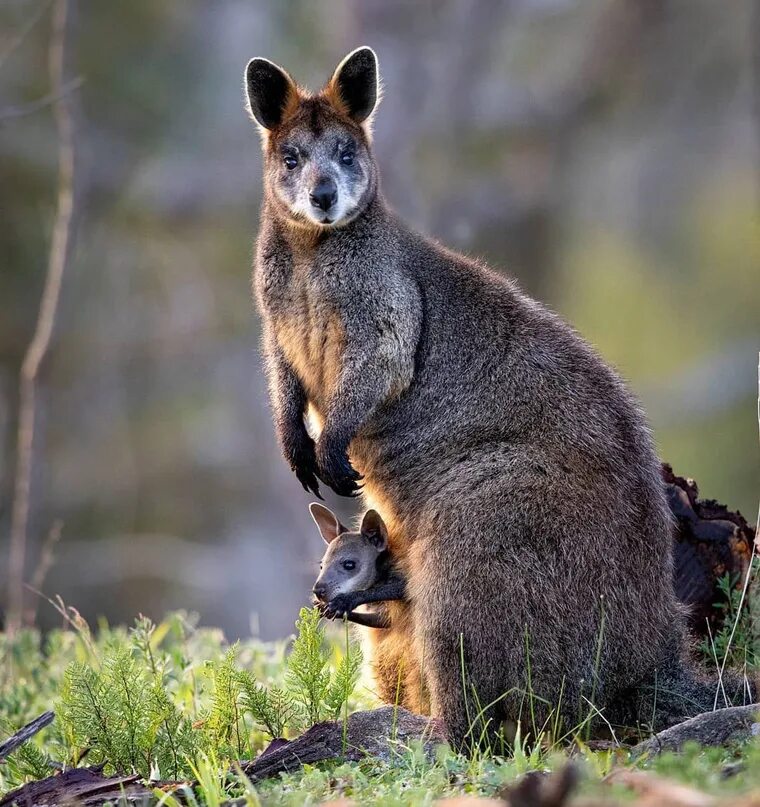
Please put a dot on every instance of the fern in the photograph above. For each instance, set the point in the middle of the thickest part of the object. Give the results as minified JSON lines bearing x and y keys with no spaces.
{"x":32,"y":762}
{"x":134,"y":710}
{"x":124,"y":716}
{"x":223,"y":723}
{"x":175,"y":741}
{"x":28,"y":761}
{"x":130,"y":723}
{"x":308,"y":676}
{"x":86,"y":710}
{"x":273,"y":709}
{"x":344,"y":680}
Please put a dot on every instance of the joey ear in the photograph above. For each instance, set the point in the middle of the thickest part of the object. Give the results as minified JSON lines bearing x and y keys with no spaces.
{"x":327,"y":522}
{"x":374,"y":530}
{"x":270,"y":91}
{"x":355,"y":85}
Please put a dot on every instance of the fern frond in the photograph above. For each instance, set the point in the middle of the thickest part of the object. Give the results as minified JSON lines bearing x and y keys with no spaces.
{"x":175,"y":740}
{"x":131,"y":728}
{"x":86,"y":710}
{"x":308,"y":676}
{"x":223,"y":724}
{"x":344,"y":680}
{"x":273,"y":709}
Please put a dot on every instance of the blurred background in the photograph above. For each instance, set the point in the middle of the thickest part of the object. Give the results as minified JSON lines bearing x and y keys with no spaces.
{"x":604,"y":152}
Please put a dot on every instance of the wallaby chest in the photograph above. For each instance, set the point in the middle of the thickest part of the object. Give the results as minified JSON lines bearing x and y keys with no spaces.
{"x":299,"y":297}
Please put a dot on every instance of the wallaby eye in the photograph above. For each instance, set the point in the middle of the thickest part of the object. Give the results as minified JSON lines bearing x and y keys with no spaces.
{"x":347,"y":158}
{"x":349,"y":565}
{"x":290,"y":161}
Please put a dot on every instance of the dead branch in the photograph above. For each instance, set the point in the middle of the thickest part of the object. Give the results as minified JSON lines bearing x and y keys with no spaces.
{"x":709,"y":540}
{"x":47,"y":558}
{"x":25,"y":733}
{"x":38,"y":347}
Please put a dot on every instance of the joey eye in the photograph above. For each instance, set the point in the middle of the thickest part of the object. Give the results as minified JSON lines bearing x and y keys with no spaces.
{"x":290,"y":161}
{"x":347,"y":158}
{"x":349,"y":565}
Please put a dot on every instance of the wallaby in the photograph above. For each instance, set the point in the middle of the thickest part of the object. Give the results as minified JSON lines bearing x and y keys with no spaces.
{"x":513,"y":469}
{"x":356,"y":569}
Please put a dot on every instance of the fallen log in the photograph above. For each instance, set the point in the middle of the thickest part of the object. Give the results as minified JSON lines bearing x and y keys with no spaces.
{"x":85,"y":787}
{"x":377,"y":733}
{"x":733,"y":724}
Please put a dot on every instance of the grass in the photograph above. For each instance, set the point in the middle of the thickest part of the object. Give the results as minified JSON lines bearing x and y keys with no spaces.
{"x":176,"y":701}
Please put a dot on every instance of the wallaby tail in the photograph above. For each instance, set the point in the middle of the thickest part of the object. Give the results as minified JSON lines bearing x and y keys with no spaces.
{"x":679,"y":691}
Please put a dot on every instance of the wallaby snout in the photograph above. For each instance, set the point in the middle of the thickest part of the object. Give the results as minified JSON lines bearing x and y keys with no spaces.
{"x":324,"y":194}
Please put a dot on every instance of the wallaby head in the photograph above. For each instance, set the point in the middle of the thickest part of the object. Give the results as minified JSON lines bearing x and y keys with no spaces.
{"x":350,"y":560}
{"x":318,"y":166}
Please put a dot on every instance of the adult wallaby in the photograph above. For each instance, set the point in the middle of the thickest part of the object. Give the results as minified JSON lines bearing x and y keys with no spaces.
{"x":513,"y":469}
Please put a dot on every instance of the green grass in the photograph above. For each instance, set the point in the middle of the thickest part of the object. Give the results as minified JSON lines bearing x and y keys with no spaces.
{"x":176,"y":701}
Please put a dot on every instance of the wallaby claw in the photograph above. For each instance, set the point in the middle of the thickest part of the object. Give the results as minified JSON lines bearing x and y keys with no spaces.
{"x":301,"y":456}
{"x":309,"y":482}
{"x":336,"y":471}
{"x":338,"y":607}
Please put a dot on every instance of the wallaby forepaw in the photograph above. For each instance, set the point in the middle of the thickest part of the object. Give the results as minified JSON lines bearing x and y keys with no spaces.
{"x":336,"y":471}
{"x":301,"y":456}
{"x":338,"y":607}
{"x":309,"y":481}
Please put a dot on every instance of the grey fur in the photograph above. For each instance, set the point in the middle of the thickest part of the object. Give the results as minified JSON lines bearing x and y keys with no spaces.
{"x":356,"y":569}
{"x":514,"y":470}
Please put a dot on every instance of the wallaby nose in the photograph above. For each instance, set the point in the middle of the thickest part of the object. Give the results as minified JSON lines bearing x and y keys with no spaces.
{"x":324,"y":194}
{"x":320,"y":590}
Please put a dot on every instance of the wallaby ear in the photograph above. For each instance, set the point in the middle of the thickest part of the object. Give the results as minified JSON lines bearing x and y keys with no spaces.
{"x":327,"y":522}
{"x":374,"y":530}
{"x":355,"y":85}
{"x":271,"y":92}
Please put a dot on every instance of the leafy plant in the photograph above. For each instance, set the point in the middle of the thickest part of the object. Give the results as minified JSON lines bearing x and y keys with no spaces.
{"x":738,"y":640}
{"x":272,"y":708}
{"x":140,"y":708}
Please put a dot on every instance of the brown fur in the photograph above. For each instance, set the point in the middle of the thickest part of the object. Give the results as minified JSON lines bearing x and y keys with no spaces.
{"x":513,"y":468}
{"x":396,"y":670}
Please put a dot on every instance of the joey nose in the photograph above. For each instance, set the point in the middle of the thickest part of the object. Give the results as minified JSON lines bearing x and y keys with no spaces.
{"x":319,"y":591}
{"x":324,"y":195}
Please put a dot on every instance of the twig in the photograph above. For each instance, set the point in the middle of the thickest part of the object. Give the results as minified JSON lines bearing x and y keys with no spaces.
{"x":38,"y":348}
{"x":47,"y":557}
{"x":24,"y":32}
{"x":14,"y":112}
{"x":74,"y":620}
{"x":748,"y":576}
{"x":721,"y":688}
{"x":24,"y":734}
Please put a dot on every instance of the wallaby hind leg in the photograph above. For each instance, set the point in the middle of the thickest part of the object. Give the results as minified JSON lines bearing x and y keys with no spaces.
{"x":472,"y":720}
{"x":469,"y":648}
{"x":488,"y":570}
